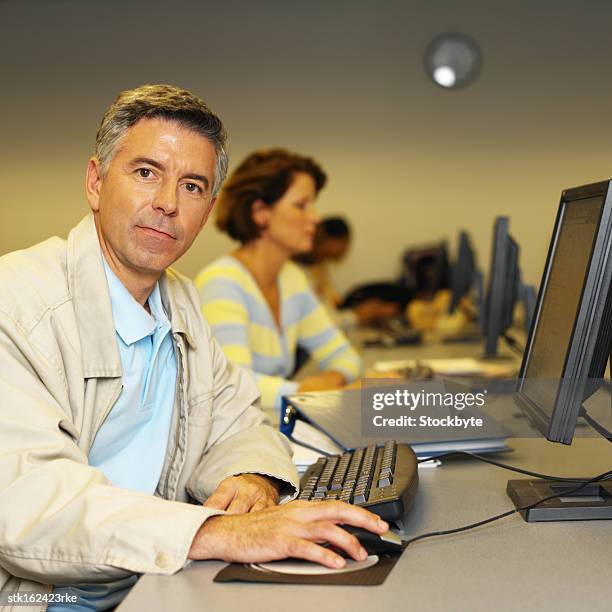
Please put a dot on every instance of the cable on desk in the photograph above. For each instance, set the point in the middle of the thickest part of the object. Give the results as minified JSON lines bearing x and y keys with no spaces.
{"x":503,"y":466}
{"x":583,"y":483}
{"x":463,"y":453}
{"x":598,"y":427}
{"x":431,"y":534}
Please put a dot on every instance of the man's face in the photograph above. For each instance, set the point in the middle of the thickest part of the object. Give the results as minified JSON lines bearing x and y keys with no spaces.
{"x":155,"y":197}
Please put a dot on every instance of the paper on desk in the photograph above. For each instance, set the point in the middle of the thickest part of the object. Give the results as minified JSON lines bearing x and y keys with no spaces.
{"x":464,"y":366}
{"x":306,"y":433}
{"x":303,"y":456}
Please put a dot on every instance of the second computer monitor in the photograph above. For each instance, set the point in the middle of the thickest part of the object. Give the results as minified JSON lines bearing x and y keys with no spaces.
{"x":425,"y":269}
{"x":463,"y":271}
{"x":503,"y":286}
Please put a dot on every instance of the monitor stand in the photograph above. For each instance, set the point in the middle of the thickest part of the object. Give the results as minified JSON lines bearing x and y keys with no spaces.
{"x":593,"y":502}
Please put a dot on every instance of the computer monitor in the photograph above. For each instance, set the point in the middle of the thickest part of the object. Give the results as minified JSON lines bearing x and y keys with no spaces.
{"x":502,"y":292}
{"x":528,"y":296}
{"x":463,"y":272}
{"x":569,"y":343}
{"x":425,"y":269}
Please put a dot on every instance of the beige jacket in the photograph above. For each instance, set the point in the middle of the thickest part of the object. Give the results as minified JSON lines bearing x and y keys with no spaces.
{"x":61,"y":521}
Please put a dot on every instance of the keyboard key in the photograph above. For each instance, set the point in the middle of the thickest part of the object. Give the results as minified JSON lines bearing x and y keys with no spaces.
{"x":385,"y":482}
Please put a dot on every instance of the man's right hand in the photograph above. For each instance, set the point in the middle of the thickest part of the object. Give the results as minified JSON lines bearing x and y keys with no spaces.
{"x":294,"y":529}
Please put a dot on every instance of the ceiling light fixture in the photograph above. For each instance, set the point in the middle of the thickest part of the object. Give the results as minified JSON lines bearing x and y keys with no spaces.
{"x":453,"y":60}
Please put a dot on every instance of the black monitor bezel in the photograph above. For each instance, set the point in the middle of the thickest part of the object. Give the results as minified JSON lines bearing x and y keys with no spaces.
{"x":496,"y":296}
{"x":560,"y":426}
{"x":463,"y":271}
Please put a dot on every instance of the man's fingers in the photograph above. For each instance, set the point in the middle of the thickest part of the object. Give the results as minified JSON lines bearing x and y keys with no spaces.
{"x":339,"y":512}
{"x":239,"y":494}
{"x":221,"y":497}
{"x":262,"y":504}
{"x":249,"y":502}
{"x":338,"y":537}
{"x":240,"y":505}
{"x":303,"y":549}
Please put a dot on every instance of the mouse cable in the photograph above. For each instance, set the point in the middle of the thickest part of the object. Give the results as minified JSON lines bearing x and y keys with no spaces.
{"x":598,"y":427}
{"x":431,"y":534}
{"x":450,"y":454}
{"x":504,"y":466}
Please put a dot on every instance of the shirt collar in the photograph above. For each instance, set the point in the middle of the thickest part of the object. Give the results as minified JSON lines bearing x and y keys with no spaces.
{"x":157,"y":309}
{"x":132,"y":321}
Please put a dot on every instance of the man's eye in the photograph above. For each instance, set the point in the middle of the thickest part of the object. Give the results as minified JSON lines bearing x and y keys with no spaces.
{"x":192,"y":188}
{"x":144,"y":172}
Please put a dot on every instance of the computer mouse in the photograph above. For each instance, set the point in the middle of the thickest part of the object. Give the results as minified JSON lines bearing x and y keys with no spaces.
{"x":374,"y":543}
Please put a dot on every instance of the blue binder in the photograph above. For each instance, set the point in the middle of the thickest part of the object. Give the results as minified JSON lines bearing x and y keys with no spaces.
{"x":338,"y":415}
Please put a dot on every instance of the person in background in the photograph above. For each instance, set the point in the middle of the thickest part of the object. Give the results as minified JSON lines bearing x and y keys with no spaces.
{"x":331,"y":244}
{"x":258,"y":302}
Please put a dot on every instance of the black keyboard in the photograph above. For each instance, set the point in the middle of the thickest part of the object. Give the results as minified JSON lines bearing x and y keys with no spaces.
{"x":383,"y":479}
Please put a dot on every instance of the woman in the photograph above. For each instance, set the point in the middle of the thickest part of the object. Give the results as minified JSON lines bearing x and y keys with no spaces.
{"x":258,"y":302}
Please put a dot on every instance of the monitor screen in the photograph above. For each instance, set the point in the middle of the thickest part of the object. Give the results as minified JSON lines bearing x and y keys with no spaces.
{"x":426,"y":269}
{"x":560,"y":301}
{"x":568,"y":342}
{"x":563,"y":288}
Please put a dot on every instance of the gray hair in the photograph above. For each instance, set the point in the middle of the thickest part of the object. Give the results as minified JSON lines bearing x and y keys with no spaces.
{"x":167,"y":102}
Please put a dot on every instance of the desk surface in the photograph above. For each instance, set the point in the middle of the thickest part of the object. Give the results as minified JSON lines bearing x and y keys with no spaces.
{"x":445,"y":350}
{"x":426,"y":350}
{"x":506,"y":565}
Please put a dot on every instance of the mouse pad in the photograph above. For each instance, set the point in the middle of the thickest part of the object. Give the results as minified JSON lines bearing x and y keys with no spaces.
{"x":371,"y":572}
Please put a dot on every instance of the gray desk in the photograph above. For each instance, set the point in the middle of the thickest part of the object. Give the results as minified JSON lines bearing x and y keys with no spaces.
{"x":434,"y":348}
{"x":428,"y":350}
{"x":506,"y":565}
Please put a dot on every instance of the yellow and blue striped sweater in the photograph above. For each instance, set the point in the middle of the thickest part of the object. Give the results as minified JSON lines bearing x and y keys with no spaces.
{"x":243,"y":324}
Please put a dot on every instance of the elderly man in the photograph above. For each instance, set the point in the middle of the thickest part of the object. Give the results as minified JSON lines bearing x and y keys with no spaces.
{"x":119,"y":412}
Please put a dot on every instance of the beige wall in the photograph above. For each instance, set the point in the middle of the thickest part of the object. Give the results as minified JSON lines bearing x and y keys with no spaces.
{"x":408,"y":162}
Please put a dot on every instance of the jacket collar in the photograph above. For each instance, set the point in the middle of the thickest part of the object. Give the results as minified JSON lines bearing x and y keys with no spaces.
{"x":92,"y":303}
{"x":175,"y":312}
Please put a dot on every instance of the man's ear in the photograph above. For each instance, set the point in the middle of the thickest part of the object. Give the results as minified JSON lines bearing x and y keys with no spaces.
{"x":93,"y":183}
{"x":260,"y":212}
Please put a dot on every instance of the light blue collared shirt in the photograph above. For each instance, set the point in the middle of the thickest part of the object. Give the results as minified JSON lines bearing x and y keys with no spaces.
{"x":131,"y":445}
